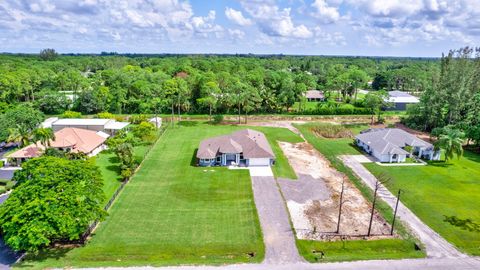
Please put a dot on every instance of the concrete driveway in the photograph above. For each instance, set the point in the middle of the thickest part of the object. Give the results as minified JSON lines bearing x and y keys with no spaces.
{"x":278,"y":236}
{"x":436,"y":246}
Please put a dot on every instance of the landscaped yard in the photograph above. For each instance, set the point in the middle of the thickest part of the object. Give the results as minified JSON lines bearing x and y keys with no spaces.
{"x":440,"y":190}
{"x":358,"y":249}
{"x":173,"y":212}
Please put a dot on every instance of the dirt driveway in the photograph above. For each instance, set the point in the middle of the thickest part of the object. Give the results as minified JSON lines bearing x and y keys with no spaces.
{"x":313,"y":199}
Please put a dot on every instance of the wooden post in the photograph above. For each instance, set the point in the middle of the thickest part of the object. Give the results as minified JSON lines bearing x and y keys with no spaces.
{"x":340,"y":206}
{"x":373,"y":208}
{"x":395,"y":212}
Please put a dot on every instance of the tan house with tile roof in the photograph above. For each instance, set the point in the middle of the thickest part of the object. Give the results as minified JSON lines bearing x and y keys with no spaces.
{"x":244,"y":148}
{"x":74,"y":140}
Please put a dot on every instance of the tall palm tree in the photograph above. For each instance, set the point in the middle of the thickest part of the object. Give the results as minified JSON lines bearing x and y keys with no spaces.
{"x":451,"y":141}
{"x":19,"y":134}
{"x":44,"y":136}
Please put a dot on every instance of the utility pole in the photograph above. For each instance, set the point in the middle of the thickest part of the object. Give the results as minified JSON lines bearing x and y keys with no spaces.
{"x":340,"y":206}
{"x":373,"y":208}
{"x":395,"y":212}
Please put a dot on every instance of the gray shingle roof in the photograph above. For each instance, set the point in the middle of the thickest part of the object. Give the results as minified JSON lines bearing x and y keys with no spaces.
{"x":390,"y":140}
{"x":252,"y":143}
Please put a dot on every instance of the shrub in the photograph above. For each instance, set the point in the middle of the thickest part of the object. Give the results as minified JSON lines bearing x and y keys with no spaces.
{"x":71,"y":114}
{"x":217,"y":119}
{"x":138,"y":118}
{"x":144,"y":131}
{"x":10,"y":185}
{"x":332,"y":131}
{"x":1,"y":163}
{"x":106,"y":115}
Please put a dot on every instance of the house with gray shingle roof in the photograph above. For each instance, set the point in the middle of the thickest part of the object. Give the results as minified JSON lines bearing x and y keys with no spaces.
{"x":394,"y":145}
{"x":244,"y":148}
{"x":401,"y":100}
{"x":314,"y":95}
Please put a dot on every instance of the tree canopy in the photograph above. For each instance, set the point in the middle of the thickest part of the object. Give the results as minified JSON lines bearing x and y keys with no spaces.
{"x":55,"y":199}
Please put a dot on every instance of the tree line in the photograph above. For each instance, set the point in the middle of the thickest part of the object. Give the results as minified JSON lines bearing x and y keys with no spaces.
{"x":197,"y":84}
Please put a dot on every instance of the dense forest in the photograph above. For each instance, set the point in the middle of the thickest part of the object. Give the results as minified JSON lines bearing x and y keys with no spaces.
{"x":196,"y":84}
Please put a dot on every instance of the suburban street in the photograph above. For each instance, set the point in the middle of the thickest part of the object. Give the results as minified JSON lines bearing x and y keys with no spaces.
{"x":409,"y":264}
{"x":436,"y":246}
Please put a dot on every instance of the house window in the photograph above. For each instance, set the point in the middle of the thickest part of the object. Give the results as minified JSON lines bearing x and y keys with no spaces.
{"x":219,"y":159}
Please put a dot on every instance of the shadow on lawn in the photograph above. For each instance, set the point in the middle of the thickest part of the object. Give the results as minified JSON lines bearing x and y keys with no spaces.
{"x":51,"y":253}
{"x":193,"y":161}
{"x":184,"y":123}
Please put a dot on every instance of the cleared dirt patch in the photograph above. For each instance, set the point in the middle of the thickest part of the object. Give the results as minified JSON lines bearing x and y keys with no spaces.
{"x":315,"y":217}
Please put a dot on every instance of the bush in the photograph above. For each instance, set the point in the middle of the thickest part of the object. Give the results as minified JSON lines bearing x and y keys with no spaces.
{"x":138,"y":118}
{"x":1,"y":163}
{"x":10,"y":185}
{"x":4,"y":182}
{"x":217,"y":119}
{"x":144,"y":131}
{"x":71,"y":114}
{"x":106,"y":115}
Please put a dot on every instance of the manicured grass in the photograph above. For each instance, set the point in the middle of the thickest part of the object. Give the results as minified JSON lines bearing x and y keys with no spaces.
{"x":441,"y":190}
{"x":173,"y":212}
{"x":357,"y":250}
{"x":374,"y":249}
{"x":109,"y":166}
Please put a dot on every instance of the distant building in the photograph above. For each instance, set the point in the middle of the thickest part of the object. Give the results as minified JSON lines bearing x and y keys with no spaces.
{"x":314,"y":95}
{"x":244,"y":148}
{"x":389,"y":145}
{"x":156,"y":121}
{"x":75,"y":140}
{"x":401,"y":100}
{"x":108,"y":126}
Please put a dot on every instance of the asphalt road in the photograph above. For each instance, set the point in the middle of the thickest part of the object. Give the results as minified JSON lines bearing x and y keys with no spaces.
{"x":408,"y":264}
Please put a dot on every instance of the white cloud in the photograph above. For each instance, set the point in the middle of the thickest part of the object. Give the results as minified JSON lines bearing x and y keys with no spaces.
{"x":237,"y":17}
{"x":274,"y":21}
{"x":324,"y":12}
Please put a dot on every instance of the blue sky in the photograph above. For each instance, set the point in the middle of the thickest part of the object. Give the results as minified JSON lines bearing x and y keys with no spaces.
{"x":313,"y":27}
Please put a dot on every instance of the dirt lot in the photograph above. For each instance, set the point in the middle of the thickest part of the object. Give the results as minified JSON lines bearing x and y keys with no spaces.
{"x":315,"y":216}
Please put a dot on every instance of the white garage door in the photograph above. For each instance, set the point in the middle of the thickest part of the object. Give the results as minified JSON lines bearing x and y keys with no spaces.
{"x":259,"y":162}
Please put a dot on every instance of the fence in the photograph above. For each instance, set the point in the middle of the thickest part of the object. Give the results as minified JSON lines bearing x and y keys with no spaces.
{"x":93,"y":225}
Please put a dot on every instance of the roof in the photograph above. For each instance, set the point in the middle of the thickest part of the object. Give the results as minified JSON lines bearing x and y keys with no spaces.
{"x":116,"y":125}
{"x":31,"y":151}
{"x":401,"y":97}
{"x":48,"y":122}
{"x":78,"y":139}
{"x":81,"y":122}
{"x":390,"y":140}
{"x":314,"y":94}
{"x":252,"y":143}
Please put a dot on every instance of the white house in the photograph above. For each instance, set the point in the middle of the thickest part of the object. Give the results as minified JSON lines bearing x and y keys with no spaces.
{"x":389,"y":145}
{"x":401,"y":100}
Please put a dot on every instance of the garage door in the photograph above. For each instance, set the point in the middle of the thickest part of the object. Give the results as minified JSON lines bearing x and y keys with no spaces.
{"x":259,"y":162}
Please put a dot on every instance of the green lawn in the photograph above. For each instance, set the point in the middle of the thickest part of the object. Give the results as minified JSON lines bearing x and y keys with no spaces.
{"x":172,"y":212}
{"x":362,"y":250}
{"x":357,"y":250}
{"x":441,"y":190}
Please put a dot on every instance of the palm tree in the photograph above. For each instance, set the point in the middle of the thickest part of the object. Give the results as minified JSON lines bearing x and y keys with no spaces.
{"x":451,"y":141}
{"x":44,"y":136}
{"x":20,"y":134}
